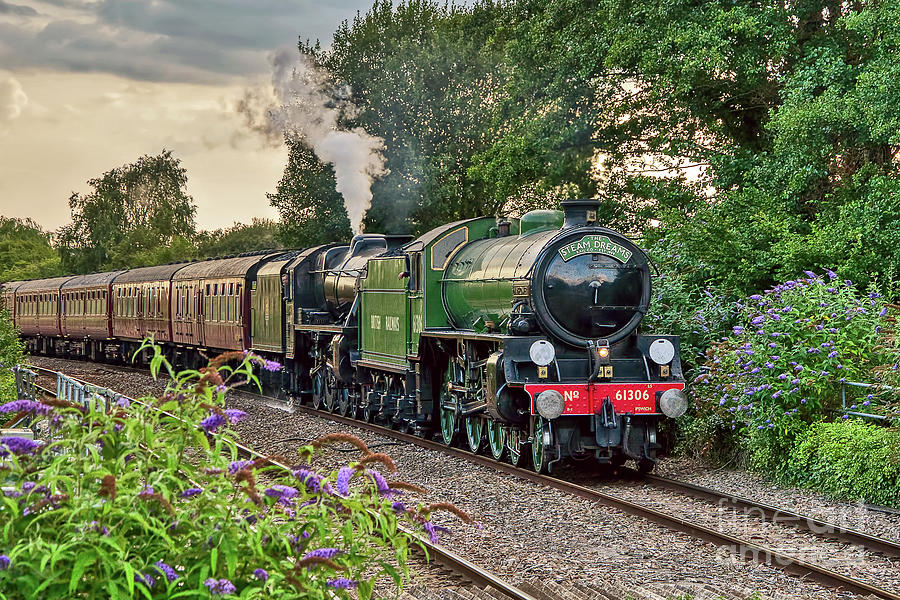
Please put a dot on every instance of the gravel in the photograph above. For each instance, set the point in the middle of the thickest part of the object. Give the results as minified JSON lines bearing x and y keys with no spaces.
{"x":544,"y":540}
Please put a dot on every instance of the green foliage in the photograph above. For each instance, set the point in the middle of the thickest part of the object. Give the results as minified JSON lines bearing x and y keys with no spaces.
{"x":311,"y":211}
{"x":115,"y":490}
{"x":781,"y":368}
{"x":260,"y":234}
{"x":25,"y":251}
{"x":132,"y":212}
{"x":426,"y":76}
{"x":11,"y":354}
{"x":851,"y":460}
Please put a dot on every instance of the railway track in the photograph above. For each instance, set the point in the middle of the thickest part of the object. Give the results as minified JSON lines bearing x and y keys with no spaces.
{"x":487,"y":583}
{"x":744,"y":548}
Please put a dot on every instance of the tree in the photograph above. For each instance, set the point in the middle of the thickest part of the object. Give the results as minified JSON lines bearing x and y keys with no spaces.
{"x":25,"y":251}
{"x":132,"y":210}
{"x":311,"y":211}
{"x":260,"y":234}
{"x":425,"y":76}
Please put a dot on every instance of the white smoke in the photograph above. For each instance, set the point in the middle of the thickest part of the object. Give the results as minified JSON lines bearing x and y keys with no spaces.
{"x":304,"y":103}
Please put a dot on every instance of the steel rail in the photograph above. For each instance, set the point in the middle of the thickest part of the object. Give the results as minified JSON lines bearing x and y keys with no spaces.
{"x":743,"y":548}
{"x":447,"y":558}
{"x":778,"y":515}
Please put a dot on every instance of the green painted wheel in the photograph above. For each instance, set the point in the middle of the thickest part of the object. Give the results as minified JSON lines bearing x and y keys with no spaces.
{"x":517,"y":457}
{"x":329,"y":393}
{"x":475,"y":433}
{"x":539,"y":458}
{"x":448,"y":425}
{"x":318,"y":395}
{"x":496,"y":434}
{"x":343,"y":401}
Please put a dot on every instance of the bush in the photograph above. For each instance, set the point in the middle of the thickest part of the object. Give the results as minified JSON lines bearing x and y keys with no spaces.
{"x":849,"y":459}
{"x":782,"y":367}
{"x":125,"y":500}
{"x":11,"y":353}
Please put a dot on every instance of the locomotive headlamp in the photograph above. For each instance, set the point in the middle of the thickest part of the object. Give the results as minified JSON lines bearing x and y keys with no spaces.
{"x":603,"y":352}
{"x":673,"y":403}
{"x":542,"y":353}
{"x":662,"y":351}
{"x":550,"y":404}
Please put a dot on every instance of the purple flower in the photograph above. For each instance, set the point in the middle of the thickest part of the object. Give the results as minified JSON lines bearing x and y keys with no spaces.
{"x":866,"y":403}
{"x":343,"y":480}
{"x":758,"y":320}
{"x":326,"y":553}
{"x":25,"y":406}
{"x":166,"y":570}
{"x":238,"y":465}
{"x":342,"y":583}
{"x":380,"y":482}
{"x":738,"y":330}
{"x":146,"y":492}
{"x":212,"y":422}
{"x":190,"y":492}
{"x":802,"y":400}
{"x":281,"y":492}
{"x":398,"y":507}
{"x":4,"y":562}
{"x":123,"y":402}
{"x":845,"y":417}
{"x":769,"y":365}
{"x":312,"y":480}
{"x":219,"y":587}
{"x":848,"y":282}
{"x":831,"y":274}
{"x":221,"y":388}
{"x":883,"y":312}
{"x":756,"y":297}
{"x":832,"y":354}
{"x":272,"y":365}
{"x":261,"y":574}
{"x":810,"y":274}
{"x":234,"y":415}
{"x":145,"y":578}
{"x":782,"y":377}
{"x":18,"y":445}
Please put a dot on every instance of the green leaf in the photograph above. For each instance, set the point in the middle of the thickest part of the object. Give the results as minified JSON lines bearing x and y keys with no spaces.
{"x":82,"y":562}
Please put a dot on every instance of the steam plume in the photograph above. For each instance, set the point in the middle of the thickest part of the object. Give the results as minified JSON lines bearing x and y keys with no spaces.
{"x":305,"y":104}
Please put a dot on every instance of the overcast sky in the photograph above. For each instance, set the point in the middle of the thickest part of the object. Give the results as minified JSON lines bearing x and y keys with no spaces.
{"x":86,"y":86}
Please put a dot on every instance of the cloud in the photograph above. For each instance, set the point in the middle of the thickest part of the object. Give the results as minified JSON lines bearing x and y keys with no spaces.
{"x":17,"y":9}
{"x":192,"y":41}
{"x":13,"y":100}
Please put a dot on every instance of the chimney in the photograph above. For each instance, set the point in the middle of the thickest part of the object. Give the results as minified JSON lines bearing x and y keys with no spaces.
{"x":579,"y":212}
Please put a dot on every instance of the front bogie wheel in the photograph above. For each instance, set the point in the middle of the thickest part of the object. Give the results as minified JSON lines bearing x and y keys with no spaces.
{"x":540,"y":444}
{"x":518,"y":449}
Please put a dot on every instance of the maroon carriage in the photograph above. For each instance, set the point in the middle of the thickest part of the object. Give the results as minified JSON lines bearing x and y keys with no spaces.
{"x":85,"y":312}
{"x":212,"y":302}
{"x":143,"y":303}
{"x":37,"y":313}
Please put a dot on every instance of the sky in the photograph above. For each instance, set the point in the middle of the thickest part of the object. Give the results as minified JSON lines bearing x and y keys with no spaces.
{"x":90,"y":85}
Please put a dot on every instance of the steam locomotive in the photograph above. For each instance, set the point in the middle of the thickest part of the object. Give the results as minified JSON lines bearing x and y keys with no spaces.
{"x":516,"y":337}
